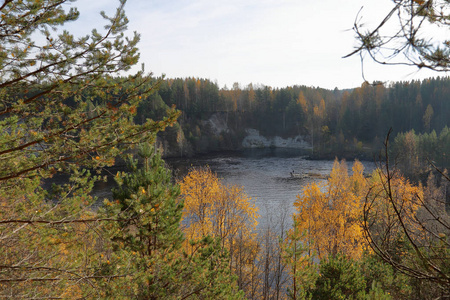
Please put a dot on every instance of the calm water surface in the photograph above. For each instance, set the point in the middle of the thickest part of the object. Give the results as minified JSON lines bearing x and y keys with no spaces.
{"x":265,"y":176}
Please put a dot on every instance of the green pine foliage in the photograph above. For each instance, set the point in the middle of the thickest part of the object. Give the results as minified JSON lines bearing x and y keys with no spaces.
{"x":299,"y":259}
{"x":346,"y":123}
{"x":148,"y":203}
{"x":64,"y":115}
{"x":382,"y":281}
{"x":414,"y":151}
{"x":147,"y":234}
{"x":146,"y":242}
{"x":339,"y":278}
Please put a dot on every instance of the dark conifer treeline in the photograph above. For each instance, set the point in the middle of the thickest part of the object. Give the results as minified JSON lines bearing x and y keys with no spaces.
{"x":335,"y":122}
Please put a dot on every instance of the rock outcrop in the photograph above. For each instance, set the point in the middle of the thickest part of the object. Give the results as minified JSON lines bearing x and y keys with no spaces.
{"x":255,"y":140}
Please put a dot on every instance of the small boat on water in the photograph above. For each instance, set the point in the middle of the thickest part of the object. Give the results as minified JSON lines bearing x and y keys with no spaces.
{"x":297,"y":175}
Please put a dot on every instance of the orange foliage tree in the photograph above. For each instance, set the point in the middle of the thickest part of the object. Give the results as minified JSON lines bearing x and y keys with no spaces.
{"x":329,"y":215}
{"x":388,"y":209}
{"x":409,"y":229}
{"x":224,"y":212}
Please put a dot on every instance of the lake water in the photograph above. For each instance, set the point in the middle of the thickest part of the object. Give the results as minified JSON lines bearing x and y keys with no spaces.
{"x":265,"y":176}
{"x":263,"y":173}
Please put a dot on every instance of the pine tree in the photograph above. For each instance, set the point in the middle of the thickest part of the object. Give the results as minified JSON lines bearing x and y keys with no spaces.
{"x":147,"y":241}
{"x":147,"y":234}
{"x":65,"y":112}
{"x":339,"y":278}
{"x":302,"y":269}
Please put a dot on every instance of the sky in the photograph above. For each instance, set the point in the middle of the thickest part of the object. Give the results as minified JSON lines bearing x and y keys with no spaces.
{"x":277,"y":43}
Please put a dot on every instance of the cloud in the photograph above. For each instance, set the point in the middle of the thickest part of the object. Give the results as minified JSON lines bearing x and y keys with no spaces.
{"x":273,"y":42}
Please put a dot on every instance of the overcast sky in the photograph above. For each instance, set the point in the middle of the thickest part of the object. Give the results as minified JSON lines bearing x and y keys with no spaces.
{"x":272,"y":42}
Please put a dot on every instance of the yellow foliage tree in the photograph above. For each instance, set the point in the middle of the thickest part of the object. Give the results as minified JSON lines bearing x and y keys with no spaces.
{"x":390,"y":210}
{"x":221,"y":211}
{"x":303,"y":102}
{"x":330,"y":215}
{"x":408,"y":228}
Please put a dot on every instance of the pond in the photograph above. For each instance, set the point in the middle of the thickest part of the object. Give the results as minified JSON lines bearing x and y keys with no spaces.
{"x":265,"y":175}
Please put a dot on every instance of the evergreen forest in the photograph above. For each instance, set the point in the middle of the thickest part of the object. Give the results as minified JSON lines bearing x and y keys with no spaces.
{"x":350,"y":123}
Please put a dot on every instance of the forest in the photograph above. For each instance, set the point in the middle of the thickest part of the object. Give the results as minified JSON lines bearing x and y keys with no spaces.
{"x":350,"y":123}
{"x":65,"y":112}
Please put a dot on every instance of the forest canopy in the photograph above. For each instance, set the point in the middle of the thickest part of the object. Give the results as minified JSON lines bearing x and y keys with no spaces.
{"x":346,"y":123}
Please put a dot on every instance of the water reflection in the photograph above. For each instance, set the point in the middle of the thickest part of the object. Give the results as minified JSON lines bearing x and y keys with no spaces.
{"x":265,"y":176}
